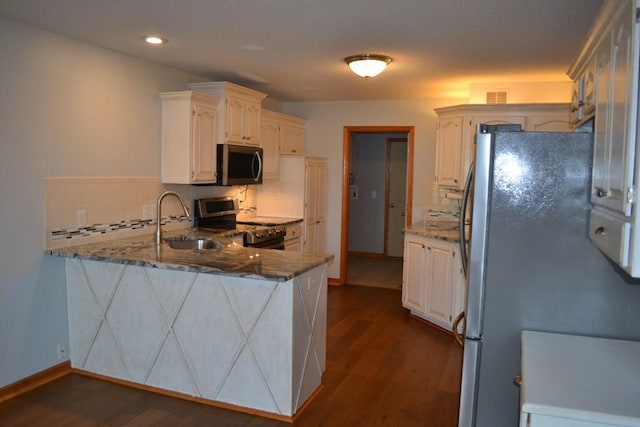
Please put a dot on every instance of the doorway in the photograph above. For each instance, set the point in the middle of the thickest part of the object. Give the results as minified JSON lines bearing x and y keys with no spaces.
{"x":394,"y":198}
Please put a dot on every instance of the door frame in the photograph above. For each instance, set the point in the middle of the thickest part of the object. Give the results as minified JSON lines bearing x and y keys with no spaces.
{"x":346,"y":161}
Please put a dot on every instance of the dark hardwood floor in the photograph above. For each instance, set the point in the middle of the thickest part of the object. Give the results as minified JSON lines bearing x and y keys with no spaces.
{"x":383,"y":369}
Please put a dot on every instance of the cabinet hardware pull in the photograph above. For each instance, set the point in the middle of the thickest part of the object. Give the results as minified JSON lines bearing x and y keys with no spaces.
{"x":601,"y":193}
{"x":600,"y":231}
{"x":517,"y":380}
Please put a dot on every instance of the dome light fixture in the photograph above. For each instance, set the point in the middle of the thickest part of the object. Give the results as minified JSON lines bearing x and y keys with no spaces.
{"x":367,"y":65}
{"x":155,"y":40}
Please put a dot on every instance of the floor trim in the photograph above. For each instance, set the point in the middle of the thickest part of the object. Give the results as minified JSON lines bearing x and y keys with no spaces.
{"x":210,"y":402}
{"x":34,"y":381}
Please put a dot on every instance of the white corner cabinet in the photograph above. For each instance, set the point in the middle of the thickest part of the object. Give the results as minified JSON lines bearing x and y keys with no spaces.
{"x":610,"y":59}
{"x":456,"y":131}
{"x":188,"y":141}
{"x":279,"y":134}
{"x":239,"y":111}
{"x":299,"y":192}
{"x":433,"y":285}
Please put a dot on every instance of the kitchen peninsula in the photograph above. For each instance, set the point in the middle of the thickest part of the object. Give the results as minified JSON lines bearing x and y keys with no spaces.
{"x":236,"y":327}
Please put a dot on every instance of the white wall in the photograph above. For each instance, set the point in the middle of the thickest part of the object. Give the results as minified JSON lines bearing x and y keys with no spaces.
{"x":324,"y":130}
{"x":66,"y":109}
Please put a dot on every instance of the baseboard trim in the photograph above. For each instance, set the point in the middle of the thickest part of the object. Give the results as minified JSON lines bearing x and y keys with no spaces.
{"x":34,"y":381}
{"x":334,"y":282}
{"x":433,"y":325}
{"x":215,"y":403}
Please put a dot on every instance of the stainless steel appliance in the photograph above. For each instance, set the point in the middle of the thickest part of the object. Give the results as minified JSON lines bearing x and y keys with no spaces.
{"x":219,"y":214}
{"x":239,"y":164}
{"x":531,"y":264}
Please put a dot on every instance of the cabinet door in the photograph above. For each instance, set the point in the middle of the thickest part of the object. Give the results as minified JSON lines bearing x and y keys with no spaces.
{"x":251,"y":123}
{"x":315,"y":215}
{"x":615,"y":92}
{"x":439,"y":283}
{"x":270,"y":131}
{"x":203,"y":143}
{"x":622,"y":96}
{"x":292,"y":140}
{"x":413,"y":273}
{"x":449,"y":151}
{"x":577,"y":100}
{"x":588,"y":94}
{"x":549,"y":123}
{"x":234,"y":110}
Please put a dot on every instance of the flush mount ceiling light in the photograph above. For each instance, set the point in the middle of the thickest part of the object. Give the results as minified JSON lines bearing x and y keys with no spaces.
{"x":367,"y":65}
{"x":156,"y":40}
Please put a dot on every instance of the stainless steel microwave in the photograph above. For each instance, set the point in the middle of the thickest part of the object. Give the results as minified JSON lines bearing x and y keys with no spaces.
{"x":239,"y":164}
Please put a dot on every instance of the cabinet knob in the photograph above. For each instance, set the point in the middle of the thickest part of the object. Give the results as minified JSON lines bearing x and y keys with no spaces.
{"x":601,"y":193}
{"x":600,"y":231}
{"x":517,"y":380}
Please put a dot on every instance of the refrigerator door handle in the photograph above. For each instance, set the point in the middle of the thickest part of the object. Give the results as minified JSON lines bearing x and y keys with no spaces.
{"x":457,"y":335}
{"x":463,"y":219}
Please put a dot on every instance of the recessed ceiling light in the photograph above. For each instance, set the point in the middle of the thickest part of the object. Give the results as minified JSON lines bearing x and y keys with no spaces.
{"x":155,"y":39}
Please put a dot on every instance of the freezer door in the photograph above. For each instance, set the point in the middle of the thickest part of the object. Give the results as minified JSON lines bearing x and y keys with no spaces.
{"x":478,"y":240}
{"x":469,"y":386}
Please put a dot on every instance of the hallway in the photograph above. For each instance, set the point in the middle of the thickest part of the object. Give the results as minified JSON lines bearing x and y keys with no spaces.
{"x":383,"y":369}
{"x":378,"y":272}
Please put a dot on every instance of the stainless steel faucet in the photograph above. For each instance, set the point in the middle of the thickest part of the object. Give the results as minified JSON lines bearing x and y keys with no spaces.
{"x":185,"y":208}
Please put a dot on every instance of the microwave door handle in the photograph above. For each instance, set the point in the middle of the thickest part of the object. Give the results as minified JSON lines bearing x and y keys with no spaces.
{"x":257,"y":156}
{"x":463,"y":219}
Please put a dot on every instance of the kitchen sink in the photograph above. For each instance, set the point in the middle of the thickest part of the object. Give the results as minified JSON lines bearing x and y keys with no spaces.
{"x":193,"y":242}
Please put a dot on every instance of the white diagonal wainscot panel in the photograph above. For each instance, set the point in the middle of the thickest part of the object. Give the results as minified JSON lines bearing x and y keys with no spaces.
{"x":170,"y":370}
{"x":171,"y":288}
{"x":87,"y":303}
{"x":307,"y":371}
{"x":271,"y":344}
{"x":105,"y":357}
{"x":208,"y":334}
{"x":137,"y":321}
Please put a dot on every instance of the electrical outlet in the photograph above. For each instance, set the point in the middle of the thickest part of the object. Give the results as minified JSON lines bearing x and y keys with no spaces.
{"x":148,"y":212}
{"x":62,"y":353}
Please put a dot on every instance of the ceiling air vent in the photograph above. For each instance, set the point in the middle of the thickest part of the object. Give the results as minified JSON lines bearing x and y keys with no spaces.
{"x":497,"y":97}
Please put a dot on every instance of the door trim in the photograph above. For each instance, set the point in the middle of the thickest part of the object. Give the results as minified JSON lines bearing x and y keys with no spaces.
{"x":346,"y":161}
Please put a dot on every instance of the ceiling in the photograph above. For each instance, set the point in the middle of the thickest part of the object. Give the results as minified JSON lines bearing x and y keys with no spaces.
{"x":294,"y":49}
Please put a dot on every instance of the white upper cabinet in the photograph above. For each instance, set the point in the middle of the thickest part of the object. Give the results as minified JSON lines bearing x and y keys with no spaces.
{"x":188,"y":146}
{"x":456,"y":132}
{"x":239,"y":111}
{"x":449,"y":151}
{"x":280,"y":134}
{"x":270,"y":138}
{"x":611,"y":52}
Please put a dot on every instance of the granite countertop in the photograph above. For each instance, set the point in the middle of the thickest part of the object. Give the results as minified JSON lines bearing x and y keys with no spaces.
{"x":232,"y":260}
{"x":442,"y":229}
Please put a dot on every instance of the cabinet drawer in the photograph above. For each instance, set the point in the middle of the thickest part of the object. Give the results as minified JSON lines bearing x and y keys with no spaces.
{"x":611,"y":235}
{"x":293,"y":231}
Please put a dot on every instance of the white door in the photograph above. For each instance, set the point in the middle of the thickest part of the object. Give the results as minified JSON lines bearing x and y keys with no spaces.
{"x":396,"y":201}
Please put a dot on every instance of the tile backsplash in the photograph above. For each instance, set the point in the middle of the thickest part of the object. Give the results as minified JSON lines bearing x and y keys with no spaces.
{"x":89,"y":209}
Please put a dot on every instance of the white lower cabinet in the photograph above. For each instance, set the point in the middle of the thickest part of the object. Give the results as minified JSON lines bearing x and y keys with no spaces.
{"x":432,"y":283}
{"x":293,"y":238}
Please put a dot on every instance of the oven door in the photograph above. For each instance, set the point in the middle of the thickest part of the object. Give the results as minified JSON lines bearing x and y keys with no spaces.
{"x":269,"y":244}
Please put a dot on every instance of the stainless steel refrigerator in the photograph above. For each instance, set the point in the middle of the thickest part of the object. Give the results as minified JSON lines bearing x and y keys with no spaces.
{"x":531,"y":264}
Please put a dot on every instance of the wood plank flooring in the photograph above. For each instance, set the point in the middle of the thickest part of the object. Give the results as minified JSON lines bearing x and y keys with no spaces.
{"x":383,"y":369}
